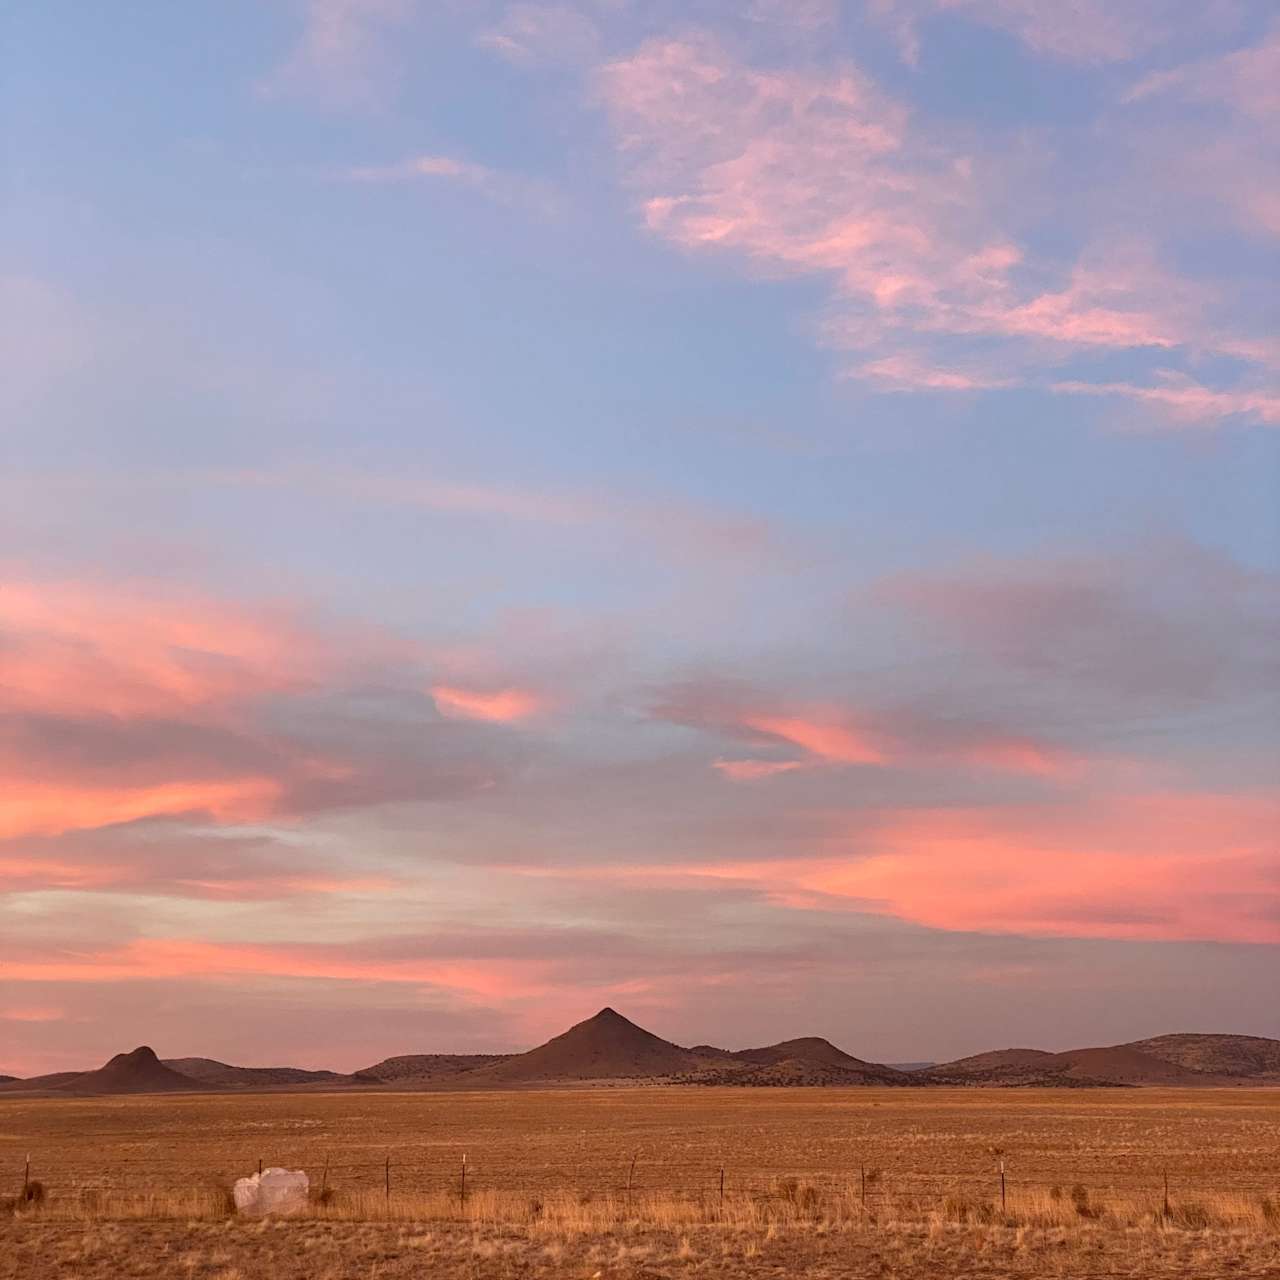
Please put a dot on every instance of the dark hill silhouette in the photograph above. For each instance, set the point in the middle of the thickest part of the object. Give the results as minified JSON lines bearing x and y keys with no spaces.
{"x":805,"y":1049}
{"x":606,"y":1047}
{"x":609,"y":1047}
{"x":139,"y":1071}
{"x":808,"y":1061}
{"x":426,"y":1069}
{"x":208,"y":1071}
{"x":39,"y":1084}
{"x":1232,"y":1056}
{"x":1094,"y":1067}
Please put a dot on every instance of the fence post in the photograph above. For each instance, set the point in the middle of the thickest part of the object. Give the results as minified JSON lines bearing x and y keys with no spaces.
{"x":863,"y":1170}
{"x":631,"y":1173}
{"x":1002,"y":1195}
{"x":324,"y":1178}
{"x":722,"y":1188}
{"x":259,"y":1166}
{"x":387,"y":1179}
{"x":26,"y":1176}
{"x":462,"y":1184}
{"x":1166,"y":1193}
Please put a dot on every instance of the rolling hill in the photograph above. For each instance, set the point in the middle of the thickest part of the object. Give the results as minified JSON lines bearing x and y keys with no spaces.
{"x":610,"y":1048}
{"x":605,"y":1047}
{"x":207,"y":1071}
{"x":1229,"y":1056}
{"x":1135,"y":1064}
{"x":139,"y":1071}
{"x":426,"y":1069}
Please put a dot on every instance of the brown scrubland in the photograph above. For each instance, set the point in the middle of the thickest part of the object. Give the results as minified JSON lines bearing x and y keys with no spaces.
{"x":625,"y":1181}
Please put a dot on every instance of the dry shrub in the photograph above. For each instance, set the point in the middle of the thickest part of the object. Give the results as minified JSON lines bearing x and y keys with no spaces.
{"x":964,"y":1208}
{"x":801,"y":1198}
{"x":1080,"y":1199}
{"x":1192,"y":1215}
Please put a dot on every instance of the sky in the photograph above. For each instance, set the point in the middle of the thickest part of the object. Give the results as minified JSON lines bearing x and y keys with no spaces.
{"x":759,"y":513}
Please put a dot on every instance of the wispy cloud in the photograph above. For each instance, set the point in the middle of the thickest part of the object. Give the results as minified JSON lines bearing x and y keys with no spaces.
{"x":805,"y":172}
{"x":504,"y":187}
{"x":344,"y":51}
{"x":1088,"y":31}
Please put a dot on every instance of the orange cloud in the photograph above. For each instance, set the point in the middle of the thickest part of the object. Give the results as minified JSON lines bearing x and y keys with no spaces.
{"x":36,"y":808}
{"x":825,"y":739}
{"x":80,"y":649}
{"x":32,"y":1013}
{"x":501,"y":705}
{"x":525,"y":977}
{"x":1159,"y":867}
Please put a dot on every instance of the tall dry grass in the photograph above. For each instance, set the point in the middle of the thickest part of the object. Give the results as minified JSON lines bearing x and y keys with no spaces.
{"x":791,"y":1204}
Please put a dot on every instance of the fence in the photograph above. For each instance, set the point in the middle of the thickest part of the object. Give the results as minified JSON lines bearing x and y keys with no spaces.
{"x":457,"y":1182}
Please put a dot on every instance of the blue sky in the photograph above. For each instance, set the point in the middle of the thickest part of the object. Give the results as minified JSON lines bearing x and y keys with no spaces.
{"x":506,"y":506}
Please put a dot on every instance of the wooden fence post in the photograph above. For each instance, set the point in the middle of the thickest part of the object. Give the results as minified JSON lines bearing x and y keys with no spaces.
{"x":387,"y":1179}
{"x":863,"y":1170}
{"x":1166,"y":1193}
{"x":631,"y":1173}
{"x":1002,"y":1193}
{"x":722,"y":1188}
{"x":259,"y":1166}
{"x":324,"y":1178}
{"x":462,"y":1184}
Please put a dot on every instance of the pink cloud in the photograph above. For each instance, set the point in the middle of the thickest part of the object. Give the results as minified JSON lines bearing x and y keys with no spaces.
{"x":125,"y":650}
{"x":543,"y":33}
{"x":1152,"y":866}
{"x":1246,"y":80}
{"x":804,"y":172}
{"x":32,"y":807}
{"x":500,"y":705}
{"x":832,"y":734}
{"x":32,"y":1013}
{"x":827,"y":739}
{"x":1187,"y":400}
{"x":754,"y":770}
{"x":908,"y":373}
{"x":504,"y":187}
{"x":343,"y":51}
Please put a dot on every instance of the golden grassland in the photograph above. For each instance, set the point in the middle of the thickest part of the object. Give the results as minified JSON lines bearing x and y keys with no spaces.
{"x":548,"y":1171}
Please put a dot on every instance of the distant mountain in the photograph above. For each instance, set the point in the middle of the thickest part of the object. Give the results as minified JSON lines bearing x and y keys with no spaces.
{"x":605,"y":1047}
{"x":426,"y":1068}
{"x":609,"y":1047}
{"x":137,"y":1072}
{"x":210,"y":1072}
{"x":809,"y":1061}
{"x":1235,"y":1057}
{"x":39,"y":1084}
{"x":1185,"y":1061}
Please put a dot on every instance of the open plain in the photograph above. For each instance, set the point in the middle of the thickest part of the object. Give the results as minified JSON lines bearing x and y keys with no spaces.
{"x":627,"y":1182}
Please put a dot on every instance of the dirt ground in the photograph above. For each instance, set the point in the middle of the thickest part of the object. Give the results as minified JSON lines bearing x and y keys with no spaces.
{"x":380,"y":1251}
{"x":137,"y":1186}
{"x":926,"y":1142}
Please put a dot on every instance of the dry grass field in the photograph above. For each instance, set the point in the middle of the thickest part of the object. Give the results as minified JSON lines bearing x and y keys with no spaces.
{"x":137,"y":1185}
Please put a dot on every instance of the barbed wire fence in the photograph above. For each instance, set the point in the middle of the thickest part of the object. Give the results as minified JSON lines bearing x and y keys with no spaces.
{"x":635,"y":1184}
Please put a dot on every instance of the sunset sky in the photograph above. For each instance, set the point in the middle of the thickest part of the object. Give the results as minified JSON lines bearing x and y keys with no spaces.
{"x":760,"y":513}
